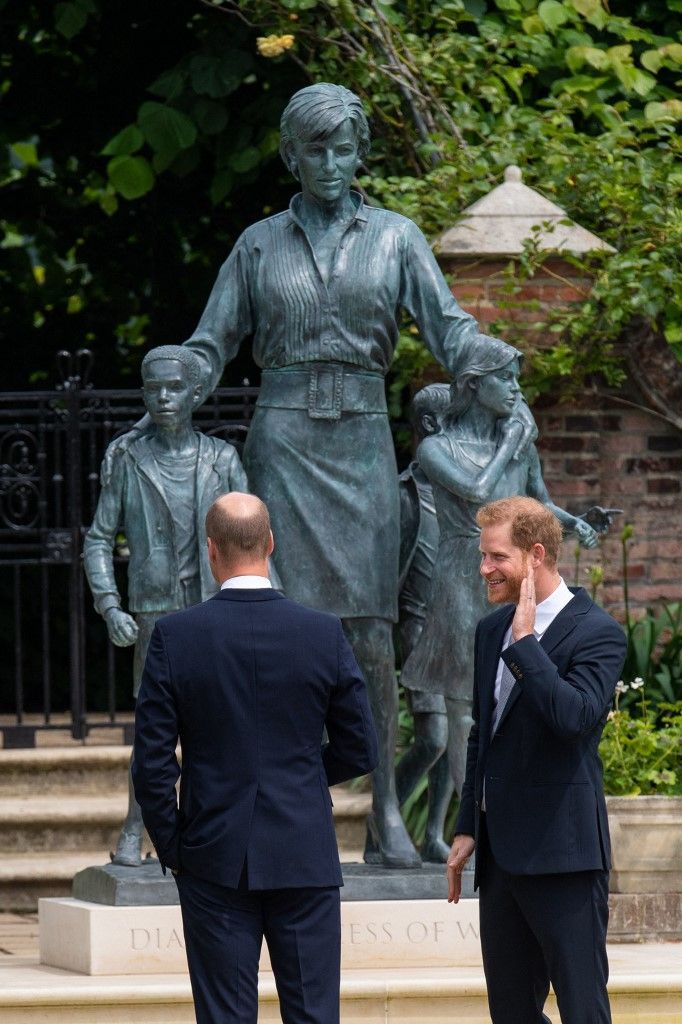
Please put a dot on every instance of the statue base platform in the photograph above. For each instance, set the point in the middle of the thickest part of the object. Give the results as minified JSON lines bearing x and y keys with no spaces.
{"x":91,"y":938}
{"x":374,"y":882}
{"x":116,"y":886}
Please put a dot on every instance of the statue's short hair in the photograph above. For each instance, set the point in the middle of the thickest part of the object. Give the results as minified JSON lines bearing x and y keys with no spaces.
{"x":530,"y":523}
{"x":181,"y":354}
{"x":317,"y":111}
{"x":237,"y":534}
{"x":432,"y":400}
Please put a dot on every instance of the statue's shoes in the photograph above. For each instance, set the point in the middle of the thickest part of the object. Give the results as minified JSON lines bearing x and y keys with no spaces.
{"x":128,"y":849}
{"x":393,"y":845}
{"x":435,"y":851}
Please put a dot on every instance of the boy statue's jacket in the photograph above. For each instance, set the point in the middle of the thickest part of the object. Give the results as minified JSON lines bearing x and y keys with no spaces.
{"x":148,"y":524}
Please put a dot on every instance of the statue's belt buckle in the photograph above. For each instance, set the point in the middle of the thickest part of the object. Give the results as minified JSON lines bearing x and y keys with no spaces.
{"x":325,"y":393}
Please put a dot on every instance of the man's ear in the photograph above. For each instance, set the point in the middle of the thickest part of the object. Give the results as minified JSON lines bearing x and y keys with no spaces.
{"x":537,"y":555}
{"x":196,"y":398}
{"x":271,"y":544}
{"x":212,"y":551}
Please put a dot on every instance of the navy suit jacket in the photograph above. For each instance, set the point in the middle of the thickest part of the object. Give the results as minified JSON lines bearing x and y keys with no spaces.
{"x":247,"y":681}
{"x":545,"y":807}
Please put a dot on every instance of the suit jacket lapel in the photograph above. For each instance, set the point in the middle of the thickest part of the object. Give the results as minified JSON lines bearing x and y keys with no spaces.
{"x":565,"y":621}
{"x":490,"y":657}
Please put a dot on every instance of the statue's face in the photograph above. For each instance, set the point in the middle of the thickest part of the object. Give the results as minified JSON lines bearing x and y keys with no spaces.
{"x":326,"y":167}
{"x":169,"y":394}
{"x":499,"y":390}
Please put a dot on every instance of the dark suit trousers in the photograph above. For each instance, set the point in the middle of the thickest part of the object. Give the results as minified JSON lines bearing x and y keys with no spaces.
{"x":224,"y":929}
{"x":541,"y":928}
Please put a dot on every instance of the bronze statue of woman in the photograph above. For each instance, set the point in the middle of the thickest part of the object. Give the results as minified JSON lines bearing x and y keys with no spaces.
{"x":318,"y":291}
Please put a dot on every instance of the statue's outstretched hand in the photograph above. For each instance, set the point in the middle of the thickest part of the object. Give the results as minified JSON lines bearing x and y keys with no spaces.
{"x":121,"y":627}
{"x":600,"y":519}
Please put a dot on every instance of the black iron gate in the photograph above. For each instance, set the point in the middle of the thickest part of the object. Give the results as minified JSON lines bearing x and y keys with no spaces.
{"x":57,"y":668}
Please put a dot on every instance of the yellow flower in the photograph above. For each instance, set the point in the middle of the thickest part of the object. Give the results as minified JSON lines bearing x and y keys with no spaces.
{"x":274,"y":46}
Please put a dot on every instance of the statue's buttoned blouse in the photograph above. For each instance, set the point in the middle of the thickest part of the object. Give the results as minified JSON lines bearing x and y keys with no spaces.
{"x":270,"y":289}
{"x":330,"y":482}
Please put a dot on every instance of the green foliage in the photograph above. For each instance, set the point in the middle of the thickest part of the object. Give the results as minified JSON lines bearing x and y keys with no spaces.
{"x":655,"y":654}
{"x":583,"y":95}
{"x":654,"y":640}
{"x":642,"y":755}
{"x":136,"y":144}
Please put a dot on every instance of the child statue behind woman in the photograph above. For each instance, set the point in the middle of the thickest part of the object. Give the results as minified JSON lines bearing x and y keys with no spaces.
{"x":475,"y":458}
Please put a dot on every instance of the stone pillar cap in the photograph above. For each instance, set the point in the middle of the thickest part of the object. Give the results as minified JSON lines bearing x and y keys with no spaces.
{"x":500,"y":222}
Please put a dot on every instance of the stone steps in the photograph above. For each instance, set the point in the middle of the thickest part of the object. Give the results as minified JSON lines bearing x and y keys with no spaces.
{"x":645,"y":987}
{"x":53,"y":770}
{"x":40,"y":824}
{"x":62,"y":809}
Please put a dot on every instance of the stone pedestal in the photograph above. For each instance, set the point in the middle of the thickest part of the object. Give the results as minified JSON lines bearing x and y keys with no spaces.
{"x":91,"y":938}
{"x":117,"y":886}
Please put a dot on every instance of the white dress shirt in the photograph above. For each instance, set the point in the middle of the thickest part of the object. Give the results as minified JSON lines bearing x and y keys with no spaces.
{"x":246,"y":583}
{"x":545,"y":613}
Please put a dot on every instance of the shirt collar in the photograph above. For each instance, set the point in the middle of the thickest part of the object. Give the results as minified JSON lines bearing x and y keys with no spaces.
{"x":246,"y":583}
{"x":548,"y":609}
{"x":360,"y":208}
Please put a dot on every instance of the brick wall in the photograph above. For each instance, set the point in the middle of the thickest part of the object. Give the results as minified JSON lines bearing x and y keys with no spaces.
{"x":614,"y":456}
{"x":481,"y":286}
{"x":619,"y":458}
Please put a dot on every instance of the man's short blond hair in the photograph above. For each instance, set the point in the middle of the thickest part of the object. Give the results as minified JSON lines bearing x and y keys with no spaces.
{"x":238,"y":535}
{"x":530,"y":523}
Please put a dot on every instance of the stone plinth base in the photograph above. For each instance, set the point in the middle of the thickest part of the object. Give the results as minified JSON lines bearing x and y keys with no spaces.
{"x":117,"y":886}
{"x":373,"y":882}
{"x":90,"y":938}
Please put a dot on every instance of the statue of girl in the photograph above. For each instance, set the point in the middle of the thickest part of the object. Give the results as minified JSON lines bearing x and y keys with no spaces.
{"x":475,"y":458}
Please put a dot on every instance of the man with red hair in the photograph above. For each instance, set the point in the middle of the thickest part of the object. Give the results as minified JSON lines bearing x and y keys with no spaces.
{"x":546,"y":666}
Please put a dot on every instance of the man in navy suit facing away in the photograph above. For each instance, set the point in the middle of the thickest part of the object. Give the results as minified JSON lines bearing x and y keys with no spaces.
{"x":248,"y":681}
{"x":545,"y":669}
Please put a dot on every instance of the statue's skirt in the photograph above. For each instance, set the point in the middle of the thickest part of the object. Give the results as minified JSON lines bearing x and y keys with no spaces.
{"x":331,"y":486}
{"x":442,"y":660}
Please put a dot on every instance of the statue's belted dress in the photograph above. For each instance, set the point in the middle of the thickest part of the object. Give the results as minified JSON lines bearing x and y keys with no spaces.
{"x":319,"y":451}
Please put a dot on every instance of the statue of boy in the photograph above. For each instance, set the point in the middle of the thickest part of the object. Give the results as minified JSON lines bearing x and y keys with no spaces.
{"x":158,"y":492}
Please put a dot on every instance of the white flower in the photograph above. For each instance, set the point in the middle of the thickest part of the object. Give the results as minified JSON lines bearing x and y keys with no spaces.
{"x":637,"y":683}
{"x":621,"y":687}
